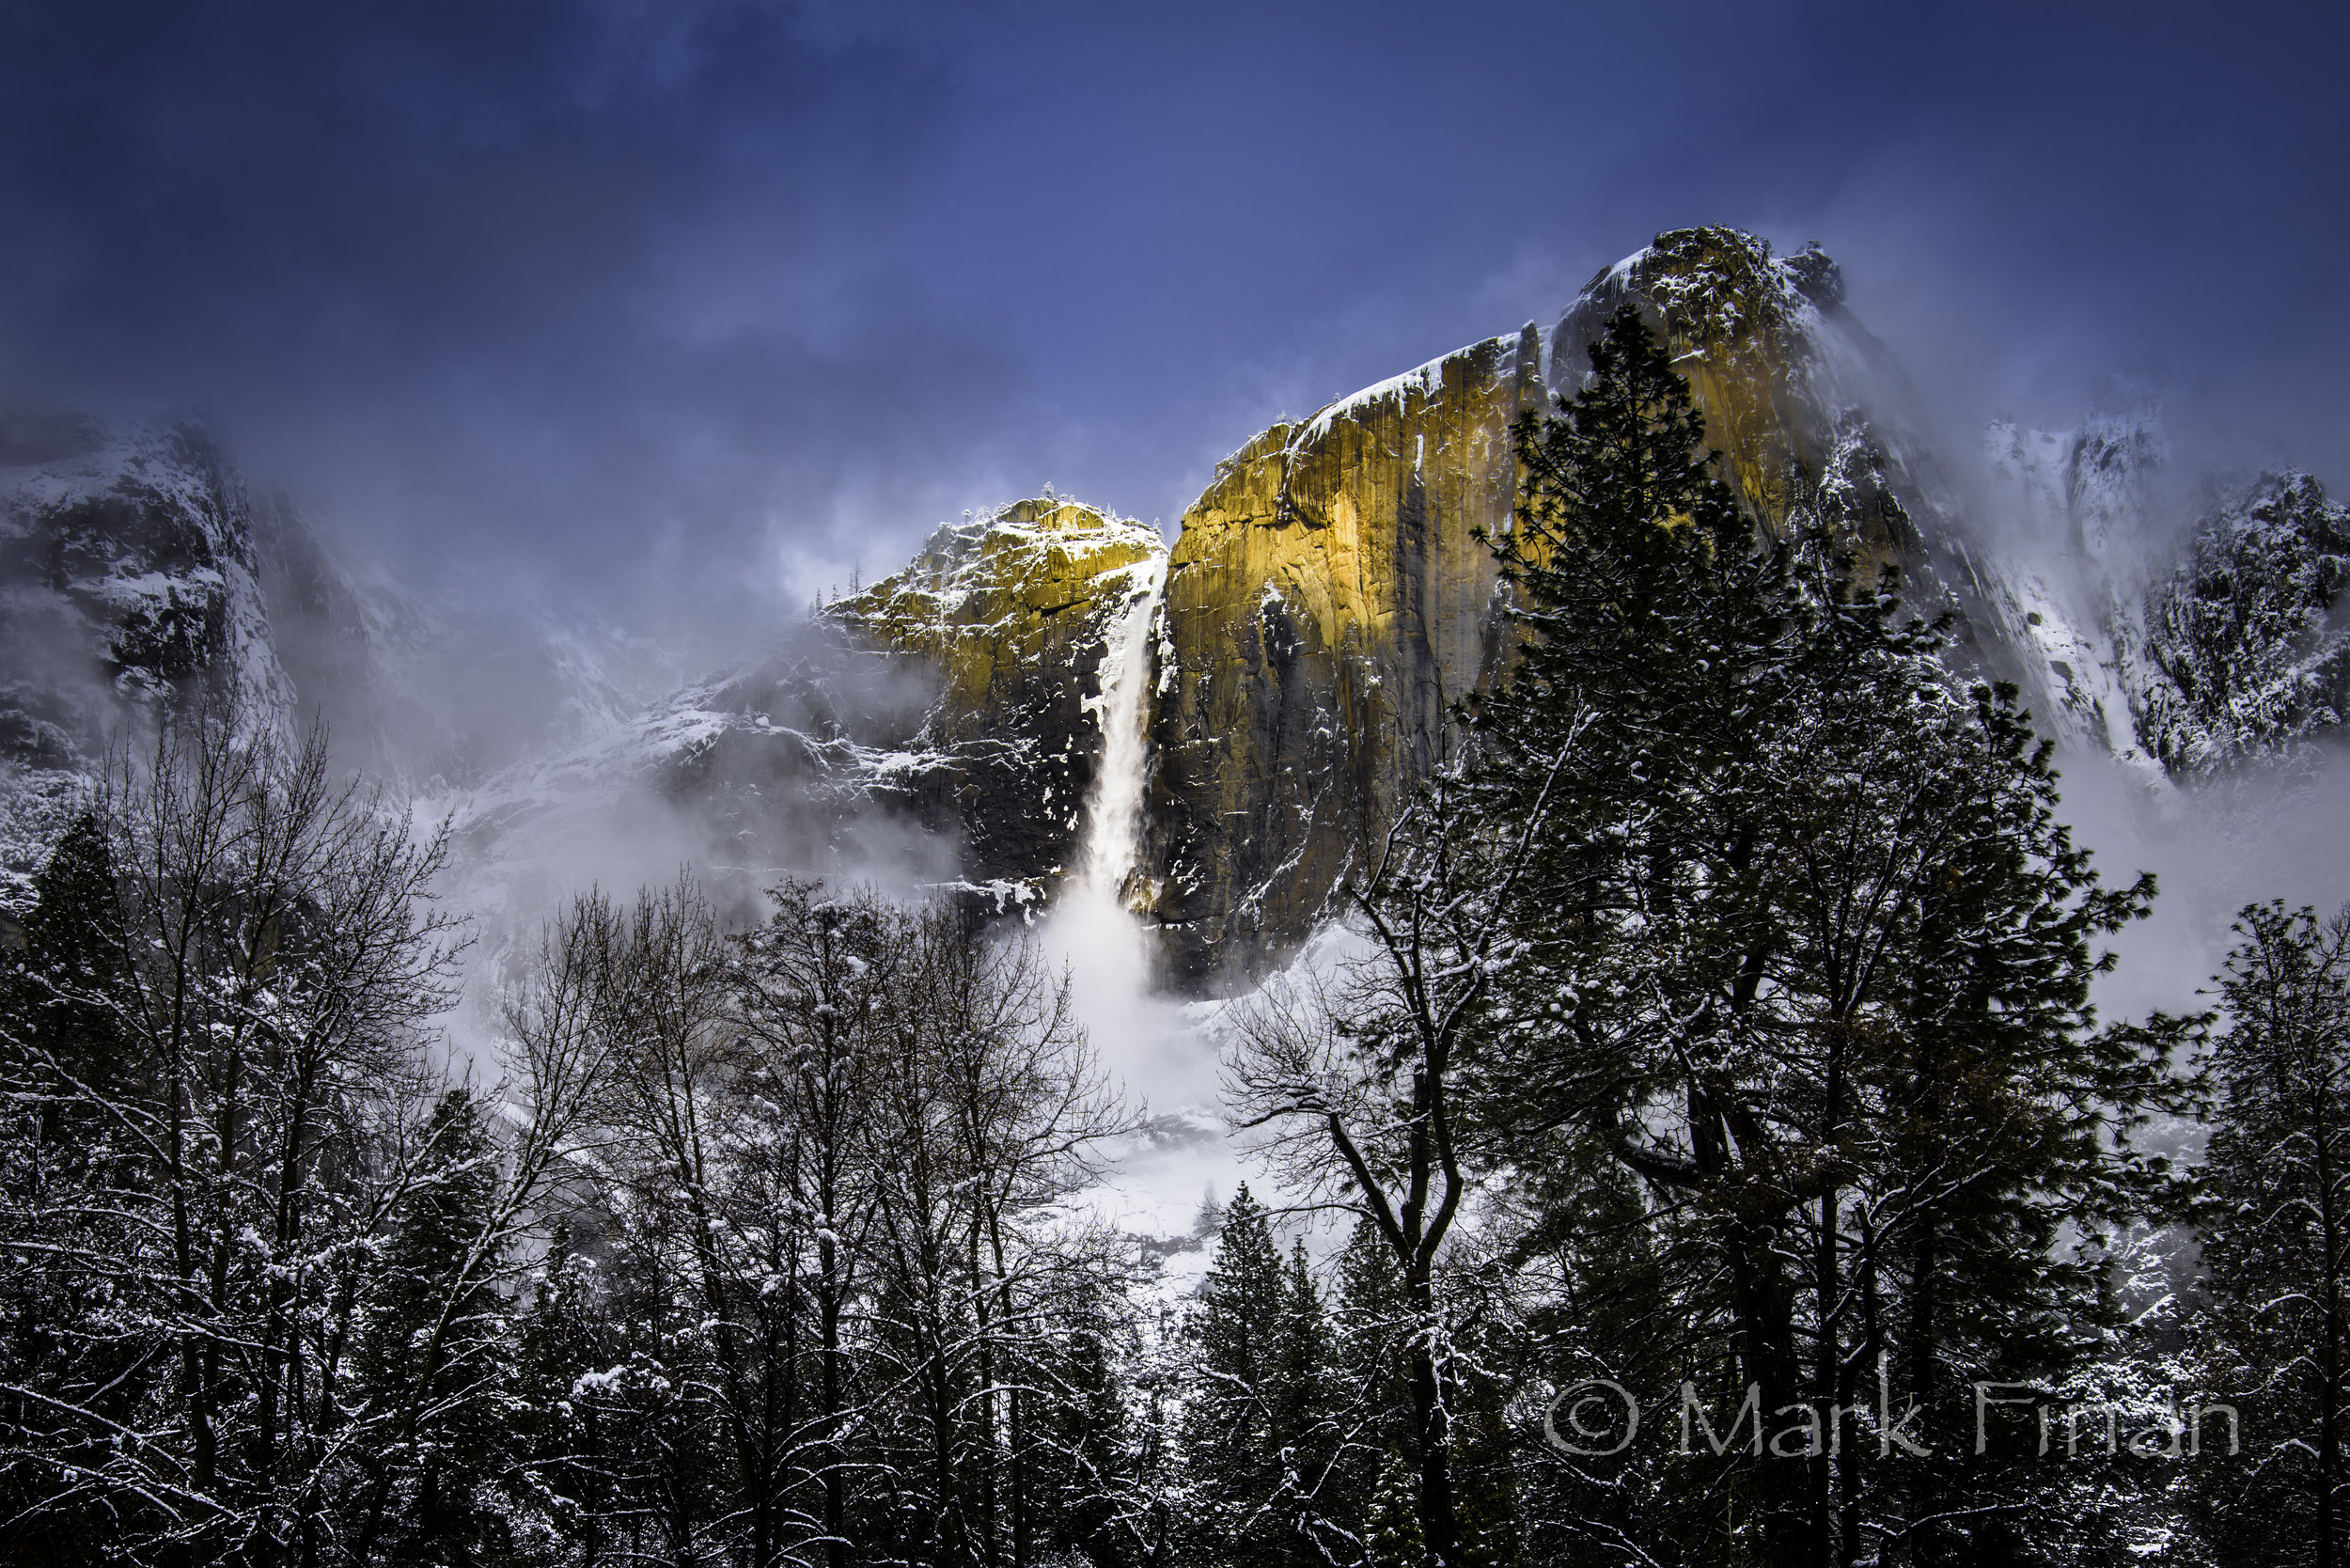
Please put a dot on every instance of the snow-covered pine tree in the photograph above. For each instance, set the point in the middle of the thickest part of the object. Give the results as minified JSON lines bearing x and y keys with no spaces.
{"x":1803,"y":931}
{"x":817,"y":991}
{"x":1091,"y":1437}
{"x":2276,"y":1240}
{"x":564,"y":1344}
{"x":1232,"y":1453}
{"x":63,"y":1004}
{"x":437,"y":1335}
{"x":62,"y":1058}
{"x":1392,"y":1525}
{"x":1371,"y":1325}
{"x":1302,"y":1427}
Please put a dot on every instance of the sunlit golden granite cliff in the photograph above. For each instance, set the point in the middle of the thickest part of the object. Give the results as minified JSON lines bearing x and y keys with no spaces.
{"x":1329,"y":600}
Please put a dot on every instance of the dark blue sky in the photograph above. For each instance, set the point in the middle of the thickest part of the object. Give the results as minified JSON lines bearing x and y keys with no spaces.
{"x":690,"y":294}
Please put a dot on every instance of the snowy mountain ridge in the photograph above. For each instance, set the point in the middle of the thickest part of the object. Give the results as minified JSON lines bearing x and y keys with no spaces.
{"x":1328,"y":599}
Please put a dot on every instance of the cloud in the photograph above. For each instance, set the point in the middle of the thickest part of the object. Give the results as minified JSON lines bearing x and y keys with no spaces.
{"x":698,"y":302}
{"x":610,"y":284}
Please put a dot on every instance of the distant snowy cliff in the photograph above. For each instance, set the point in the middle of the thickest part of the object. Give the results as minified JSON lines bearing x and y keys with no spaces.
{"x":140,"y":575}
{"x":2181,"y":648}
{"x":129,"y":584}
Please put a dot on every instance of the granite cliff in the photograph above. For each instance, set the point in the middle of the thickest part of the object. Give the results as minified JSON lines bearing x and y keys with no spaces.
{"x":1330,"y":598}
{"x":2185,"y":627}
{"x":1805,"y":405}
{"x":1011,"y":619}
{"x":1327,"y":601}
{"x":129,"y":584}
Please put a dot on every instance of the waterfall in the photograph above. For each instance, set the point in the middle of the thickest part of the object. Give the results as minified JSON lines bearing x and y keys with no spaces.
{"x":1107,"y":855}
{"x":1144,"y":1039}
{"x":1153,"y":1050}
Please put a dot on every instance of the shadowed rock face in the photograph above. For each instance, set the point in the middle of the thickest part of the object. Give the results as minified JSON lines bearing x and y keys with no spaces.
{"x":129,"y":573}
{"x":1328,"y":603}
{"x":1008,"y":617}
{"x":127,"y":587}
{"x":1792,"y":387}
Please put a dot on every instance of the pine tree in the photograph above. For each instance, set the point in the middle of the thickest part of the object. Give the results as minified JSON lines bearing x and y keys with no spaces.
{"x":1370,"y":1405}
{"x":1303,"y":1430}
{"x":1085,"y":1465}
{"x":1392,"y":1530}
{"x":437,"y":1344}
{"x":1302,"y":1355}
{"x":1803,"y":933}
{"x":64,"y":1055}
{"x":564,"y":1338}
{"x":72,"y":962}
{"x":2277,"y":1239}
{"x":1231,"y":1455}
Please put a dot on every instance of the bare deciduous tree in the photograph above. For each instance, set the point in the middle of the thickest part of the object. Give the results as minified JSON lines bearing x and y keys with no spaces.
{"x":1355,"y":1075}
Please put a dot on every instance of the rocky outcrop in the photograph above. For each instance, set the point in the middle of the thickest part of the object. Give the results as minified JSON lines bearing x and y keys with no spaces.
{"x":942,"y":724}
{"x":128,"y":585}
{"x":140,"y":574}
{"x":1330,"y":598}
{"x":1326,"y":603}
{"x":1009,"y":618}
{"x":2243,"y":650}
{"x":2181,"y":642}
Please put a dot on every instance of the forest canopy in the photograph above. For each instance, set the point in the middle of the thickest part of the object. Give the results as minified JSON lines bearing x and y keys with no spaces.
{"x":1727,"y":1160}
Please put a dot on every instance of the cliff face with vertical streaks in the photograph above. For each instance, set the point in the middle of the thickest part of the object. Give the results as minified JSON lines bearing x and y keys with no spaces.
{"x":1331,"y":598}
{"x":1329,"y":601}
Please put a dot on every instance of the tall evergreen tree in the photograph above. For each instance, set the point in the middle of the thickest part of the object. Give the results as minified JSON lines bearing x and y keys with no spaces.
{"x":1804,"y":943}
{"x":1371,"y":1323}
{"x":73,"y":966}
{"x":2277,"y":1239}
{"x":1391,"y":1527}
{"x":1231,"y":1456}
{"x":63,"y":1054}
{"x":1085,"y":1459}
{"x":438,"y":1338}
{"x":564,"y":1342}
{"x":1303,"y":1432}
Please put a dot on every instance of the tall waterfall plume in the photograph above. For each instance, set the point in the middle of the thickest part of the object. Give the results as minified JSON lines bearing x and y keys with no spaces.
{"x":1114,"y":811}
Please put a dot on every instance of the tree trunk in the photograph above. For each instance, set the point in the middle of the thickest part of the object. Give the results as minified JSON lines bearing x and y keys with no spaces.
{"x":1440,"y":1524}
{"x":2330,"y":1354}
